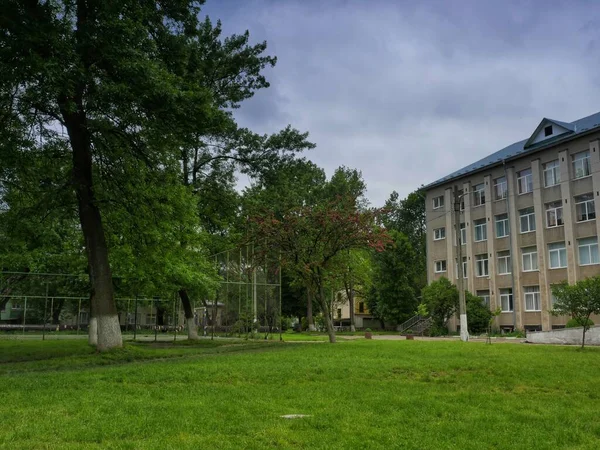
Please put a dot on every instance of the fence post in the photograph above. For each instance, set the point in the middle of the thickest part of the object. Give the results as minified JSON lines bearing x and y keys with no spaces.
{"x":175,"y":317}
{"x":45,"y":314}
{"x":79,"y":318}
{"x":135,"y":318}
{"x":155,"y":319}
{"x":24,"y":315}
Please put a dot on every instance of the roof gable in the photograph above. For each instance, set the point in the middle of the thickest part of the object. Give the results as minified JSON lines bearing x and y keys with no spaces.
{"x":548,"y":129}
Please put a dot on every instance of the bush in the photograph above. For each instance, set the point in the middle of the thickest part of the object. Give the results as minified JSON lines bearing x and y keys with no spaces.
{"x":574,"y":323}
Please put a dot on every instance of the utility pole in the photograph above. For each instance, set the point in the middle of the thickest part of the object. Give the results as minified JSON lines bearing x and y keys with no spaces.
{"x":462,"y":307}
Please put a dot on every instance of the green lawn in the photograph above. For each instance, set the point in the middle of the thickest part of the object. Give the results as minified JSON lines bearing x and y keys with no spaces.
{"x":358,"y":394}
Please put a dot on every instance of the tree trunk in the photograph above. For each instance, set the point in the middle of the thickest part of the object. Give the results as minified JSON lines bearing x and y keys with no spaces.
{"x":192,"y":328}
{"x":93,"y":332}
{"x":327,"y":314}
{"x":309,"y":311}
{"x":103,"y":304}
{"x":583,"y":338}
{"x":350,"y":295}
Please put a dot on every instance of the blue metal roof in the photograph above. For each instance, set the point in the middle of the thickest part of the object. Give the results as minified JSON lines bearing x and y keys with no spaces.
{"x":518,"y":148}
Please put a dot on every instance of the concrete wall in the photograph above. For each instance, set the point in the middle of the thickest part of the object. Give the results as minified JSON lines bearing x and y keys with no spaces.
{"x":565,"y":336}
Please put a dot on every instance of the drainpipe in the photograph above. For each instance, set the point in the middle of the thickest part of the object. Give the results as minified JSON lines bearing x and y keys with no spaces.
{"x":512,"y":257}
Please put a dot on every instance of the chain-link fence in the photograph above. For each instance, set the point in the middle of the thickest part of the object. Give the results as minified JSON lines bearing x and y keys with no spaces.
{"x":247,"y":303}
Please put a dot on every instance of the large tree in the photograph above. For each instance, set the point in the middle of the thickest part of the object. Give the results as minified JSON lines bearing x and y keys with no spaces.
{"x":122,"y":84}
{"x":310,"y":240}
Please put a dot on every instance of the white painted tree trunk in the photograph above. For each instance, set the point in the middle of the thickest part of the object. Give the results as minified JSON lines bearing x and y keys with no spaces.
{"x":93,"y":332}
{"x":109,"y":332}
{"x":192,"y":330}
{"x":464,"y":330}
{"x":352,"y":328}
{"x":311,"y":327}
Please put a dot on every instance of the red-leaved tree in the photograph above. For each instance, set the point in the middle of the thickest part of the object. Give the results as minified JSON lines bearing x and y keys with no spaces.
{"x":309,"y":239}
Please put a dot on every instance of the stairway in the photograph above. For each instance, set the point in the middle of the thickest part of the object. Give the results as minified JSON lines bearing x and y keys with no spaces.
{"x":416,"y":325}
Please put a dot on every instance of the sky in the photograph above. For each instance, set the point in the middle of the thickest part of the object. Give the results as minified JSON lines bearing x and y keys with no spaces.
{"x":408,"y":92}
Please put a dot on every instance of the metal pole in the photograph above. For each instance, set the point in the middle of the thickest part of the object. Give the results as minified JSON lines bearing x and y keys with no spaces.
{"x":135,"y":318}
{"x":127,"y":315}
{"x":174,"y":317}
{"x":155,"y":319}
{"x":24,"y":315}
{"x":45,"y":313}
{"x":52,"y":309}
{"x":464,"y":331}
{"x":79,"y":317}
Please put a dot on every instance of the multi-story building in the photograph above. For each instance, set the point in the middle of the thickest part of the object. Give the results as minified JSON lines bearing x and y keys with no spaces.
{"x":527,"y":221}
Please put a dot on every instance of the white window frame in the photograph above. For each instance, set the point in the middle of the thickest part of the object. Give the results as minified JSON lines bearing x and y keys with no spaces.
{"x":482,"y":226}
{"x":588,"y":206}
{"x":525,"y":182}
{"x":438,"y":202}
{"x":504,"y":255}
{"x":530,"y":216}
{"x":482,"y":266}
{"x":551,"y":173}
{"x":504,"y":223}
{"x":506,"y":296}
{"x":587,"y":246}
{"x":442,"y":266}
{"x":532,"y":295}
{"x":529,"y":257}
{"x":485,"y":297}
{"x":562,"y":255}
{"x":463,"y":234}
{"x":553,"y":210}
{"x":464,"y":266}
{"x":479,"y":194}
{"x":500,"y":187}
{"x":581,"y":165}
{"x":439,"y":234}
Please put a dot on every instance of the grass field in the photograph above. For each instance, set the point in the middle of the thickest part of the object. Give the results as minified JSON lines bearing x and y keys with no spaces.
{"x":358,"y":394}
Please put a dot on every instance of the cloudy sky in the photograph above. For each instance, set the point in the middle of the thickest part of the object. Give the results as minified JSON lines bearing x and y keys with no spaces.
{"x":408,"y":91}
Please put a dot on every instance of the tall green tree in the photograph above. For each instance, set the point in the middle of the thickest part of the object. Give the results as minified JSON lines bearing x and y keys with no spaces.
{"x":123,"y":83}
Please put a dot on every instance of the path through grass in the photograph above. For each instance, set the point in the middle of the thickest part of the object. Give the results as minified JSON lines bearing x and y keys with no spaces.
{"x":358,"y":394}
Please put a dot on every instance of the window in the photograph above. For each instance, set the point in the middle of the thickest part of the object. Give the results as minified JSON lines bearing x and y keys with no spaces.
{"x":464,"y":266}
{"x":501,"y":225}
{"x":500,"y":188}
{"x":506,"y":300}
{"x":480,"y":230}
{"x":558,"y":255}
{"x":481,"y":262}
{"x":339,"y":313}
{"x":585,"y":208}
{"x":83,"y":317}
{"x":131,"y":318}
{"x":554,"y":214}
{"x":588,"y":251}
{"x":438,"y":202}
{"x":551,"y":173}
{"x":532,"y":298}
{"x":439,"y":234}
{"x":440,"y":266}
{"x":530,"y":259}
{"x":504,"y":262}
{"x":479,"y":195}
{"x":485,"y":297}
{"x":581,"y":164}
{"x":548,"y":131}
{"x":461,"y":195}
{"x":527,"y":220}
{"x":150,"y":318}
{"x":463,"y":234}
{"x":553,"y":298}
{"x":524,"y":181}
{"x":361,"y":307}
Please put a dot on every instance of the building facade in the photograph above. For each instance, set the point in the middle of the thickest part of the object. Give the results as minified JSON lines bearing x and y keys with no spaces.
{"x":527,"y":221}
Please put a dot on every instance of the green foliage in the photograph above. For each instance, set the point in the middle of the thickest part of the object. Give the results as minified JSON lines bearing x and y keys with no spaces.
{"x":579,"y":300}
{"x":422,"y":310}
{"x":441,"y":299}
{"x":478,"y":314}
{"x":575,"y":323}
{"x":393,"y":297}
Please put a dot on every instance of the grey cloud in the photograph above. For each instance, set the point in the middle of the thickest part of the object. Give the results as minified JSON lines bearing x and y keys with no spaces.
{"x":410,"y":91}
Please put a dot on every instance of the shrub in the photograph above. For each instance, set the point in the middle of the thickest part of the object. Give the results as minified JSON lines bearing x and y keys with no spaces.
{"x":574,"y":323}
